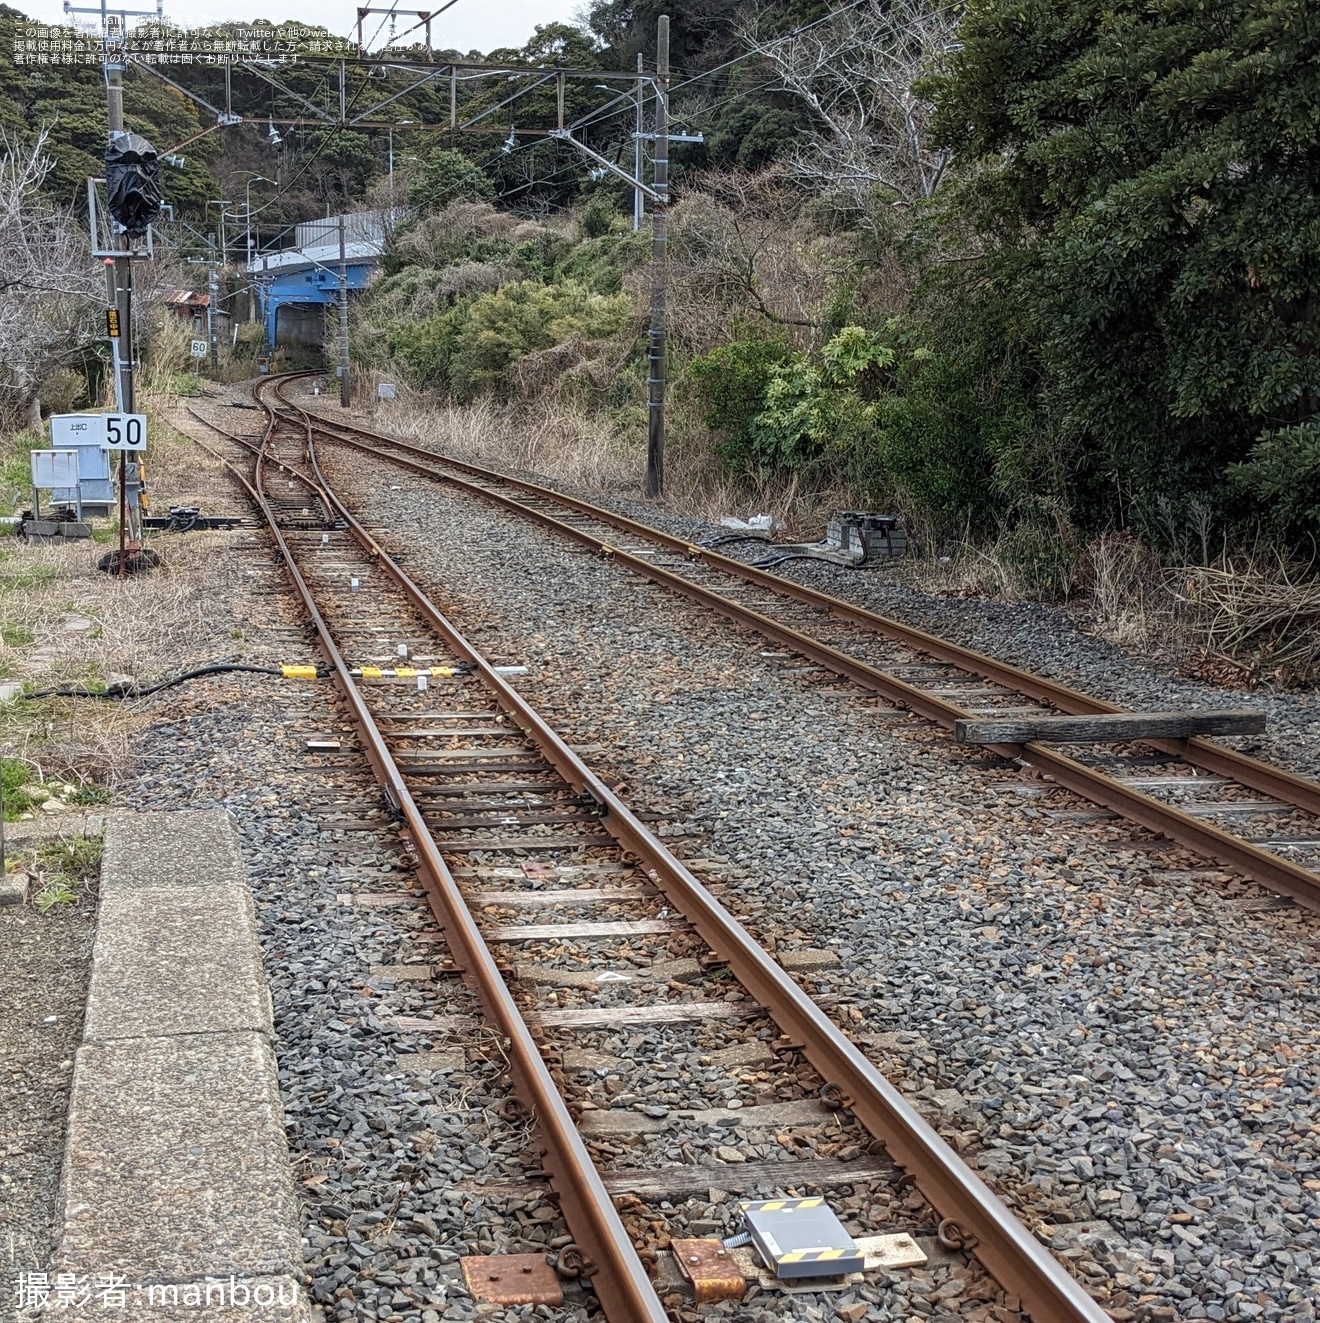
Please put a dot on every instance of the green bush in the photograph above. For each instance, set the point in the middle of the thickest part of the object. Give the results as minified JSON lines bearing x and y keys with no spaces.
{"x":13,"y":778}
{"x":731,"y":383}
{"x":519,"y":319}
{"x":471,"y":347}
{"x":597,"y":218}
{"x":1282,"y":471}
{"x":424,"y":348}
{"x":937,"y":440}
{"x":1040,"y":558}
{"x":600,"y":263}
{"x":537,"y":258}
{"x":447,"y":176}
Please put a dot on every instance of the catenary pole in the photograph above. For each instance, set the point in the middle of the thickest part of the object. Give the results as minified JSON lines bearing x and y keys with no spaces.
{"x":655,"y":431}
{"x":639,"y":198}
{"x":343,"y":318}
{"x":212,"y":299}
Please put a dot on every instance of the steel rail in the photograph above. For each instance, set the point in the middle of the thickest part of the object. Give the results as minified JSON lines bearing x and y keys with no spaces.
{"x":619,"y":1278}
{"x":1203,"y":837}
{"x":1276,"y":782}
{"x":1008,"y":1250}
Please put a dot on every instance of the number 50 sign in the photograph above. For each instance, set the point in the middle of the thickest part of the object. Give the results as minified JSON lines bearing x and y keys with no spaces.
{"x":123,"y":431}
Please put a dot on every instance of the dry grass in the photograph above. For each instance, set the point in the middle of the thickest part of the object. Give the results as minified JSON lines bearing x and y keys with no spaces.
{"x":1258,"y":615}
{"x":560,"y":439}
{"x":1127,"y":591}
{"x":64,"y":623}
{"x":1245,"y":620}
{"x":72,"y":625}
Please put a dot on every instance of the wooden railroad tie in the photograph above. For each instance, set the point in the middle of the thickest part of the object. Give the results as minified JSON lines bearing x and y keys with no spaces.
{"x":1106,"y":727}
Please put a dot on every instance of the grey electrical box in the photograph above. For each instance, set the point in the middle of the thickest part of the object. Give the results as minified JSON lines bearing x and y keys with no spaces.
{"x":96,"y":488}
{"x":865,"y":535}
{"x":801,"y":1238}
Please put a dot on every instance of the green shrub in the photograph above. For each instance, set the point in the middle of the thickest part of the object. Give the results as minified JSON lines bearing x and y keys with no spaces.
{"x":1282,"y":471}
{"x":447,"y":176}
{"x":600,"y":263}
{"x":537,"y":258}
{"x":471,"y":347}
{"x":597,"y":218}
{"x":1135,"y":185}
{"x":936,"y":440}
{"x":1040,"y":558}
{"x":731,"y":383}
{"x":502,"y":327}
{"x":13,"y":778}
{"x":425,"y":348}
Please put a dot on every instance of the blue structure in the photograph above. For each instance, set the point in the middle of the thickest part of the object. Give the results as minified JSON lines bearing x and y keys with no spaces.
{"x":307,"y":275}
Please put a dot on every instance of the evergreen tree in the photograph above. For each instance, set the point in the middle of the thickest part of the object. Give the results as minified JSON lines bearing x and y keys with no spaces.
{"x":1145,"y":177}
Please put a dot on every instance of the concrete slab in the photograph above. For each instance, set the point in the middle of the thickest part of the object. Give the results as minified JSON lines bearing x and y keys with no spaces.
{"x":176,"y":1165}
{"x":176,"y":961}
{"x":65,"y":823}
{"x":197,"y":848}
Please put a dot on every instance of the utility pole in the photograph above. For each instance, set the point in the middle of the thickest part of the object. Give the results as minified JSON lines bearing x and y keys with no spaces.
{"x":343,"y":318}
{"x":123,"y":285}
{"x":639,"y":202}
{"x":212,"y":299}
{"x":655,"y":430}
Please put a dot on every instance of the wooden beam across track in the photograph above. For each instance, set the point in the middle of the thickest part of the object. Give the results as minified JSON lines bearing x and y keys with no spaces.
{"x":1106,"y":728}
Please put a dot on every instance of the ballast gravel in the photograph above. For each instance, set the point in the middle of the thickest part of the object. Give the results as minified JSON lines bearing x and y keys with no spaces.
{"x":1124,"y":1041}
{"x":1051,"y":641}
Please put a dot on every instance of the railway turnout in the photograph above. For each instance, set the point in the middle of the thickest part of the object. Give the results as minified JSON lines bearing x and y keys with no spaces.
{"x":485,"y":789}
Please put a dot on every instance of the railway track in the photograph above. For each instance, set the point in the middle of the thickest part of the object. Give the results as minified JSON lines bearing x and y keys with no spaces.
{"x":507,"y":825}
{"x":1241,"y":812}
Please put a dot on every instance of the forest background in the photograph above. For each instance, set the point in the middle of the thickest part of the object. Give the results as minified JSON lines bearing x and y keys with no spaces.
{"x":1042,"y":277}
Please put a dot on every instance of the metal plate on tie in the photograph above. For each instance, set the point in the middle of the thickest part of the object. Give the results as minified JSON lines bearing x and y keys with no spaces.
{"x":897,"y":1250}
{"x":536,"y":871}
{"x":710,"y":1268}
{"x":512,"y":1279}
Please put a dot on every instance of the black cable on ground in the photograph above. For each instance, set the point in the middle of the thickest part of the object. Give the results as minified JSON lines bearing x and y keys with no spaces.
{"x":119,"y":691}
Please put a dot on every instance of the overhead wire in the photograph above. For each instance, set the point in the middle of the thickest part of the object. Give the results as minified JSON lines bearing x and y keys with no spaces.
{"x":623,"y":104}
{"x":599,"y":115}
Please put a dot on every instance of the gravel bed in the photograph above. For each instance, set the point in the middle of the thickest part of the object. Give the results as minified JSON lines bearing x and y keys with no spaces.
{"x":1051,"y":641}
{"x":1123,"y":1041}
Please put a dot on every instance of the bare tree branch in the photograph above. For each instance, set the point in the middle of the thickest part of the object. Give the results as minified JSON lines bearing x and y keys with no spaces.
{"x":867,"y":141}
{"x":50,"y":292}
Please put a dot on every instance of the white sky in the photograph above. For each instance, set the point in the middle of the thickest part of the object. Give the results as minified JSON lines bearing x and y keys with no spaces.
{"x":470,"y":25}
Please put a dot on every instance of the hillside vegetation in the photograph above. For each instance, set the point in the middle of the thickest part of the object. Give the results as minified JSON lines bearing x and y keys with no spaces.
{"x":1033,"y":273}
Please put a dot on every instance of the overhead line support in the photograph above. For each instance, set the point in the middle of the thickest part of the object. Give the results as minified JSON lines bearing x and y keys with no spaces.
{"x":655,"y":412}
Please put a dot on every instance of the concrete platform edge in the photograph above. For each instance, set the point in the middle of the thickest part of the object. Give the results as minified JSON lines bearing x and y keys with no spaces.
{"x":176,"y":1169}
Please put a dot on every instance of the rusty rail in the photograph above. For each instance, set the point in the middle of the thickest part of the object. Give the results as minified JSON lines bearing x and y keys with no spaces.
{"x":1007,"y":1249}
{"x":1204,"y":838}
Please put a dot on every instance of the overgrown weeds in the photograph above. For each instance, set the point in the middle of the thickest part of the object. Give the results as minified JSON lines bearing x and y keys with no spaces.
{"x":1128,"y":591}
{"x":61,"y":869}
{"x":1259,"y":614}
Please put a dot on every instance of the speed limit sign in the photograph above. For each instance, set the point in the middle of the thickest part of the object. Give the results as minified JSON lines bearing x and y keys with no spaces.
{"x":123,"y":431}
{"x":199,"y":348}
